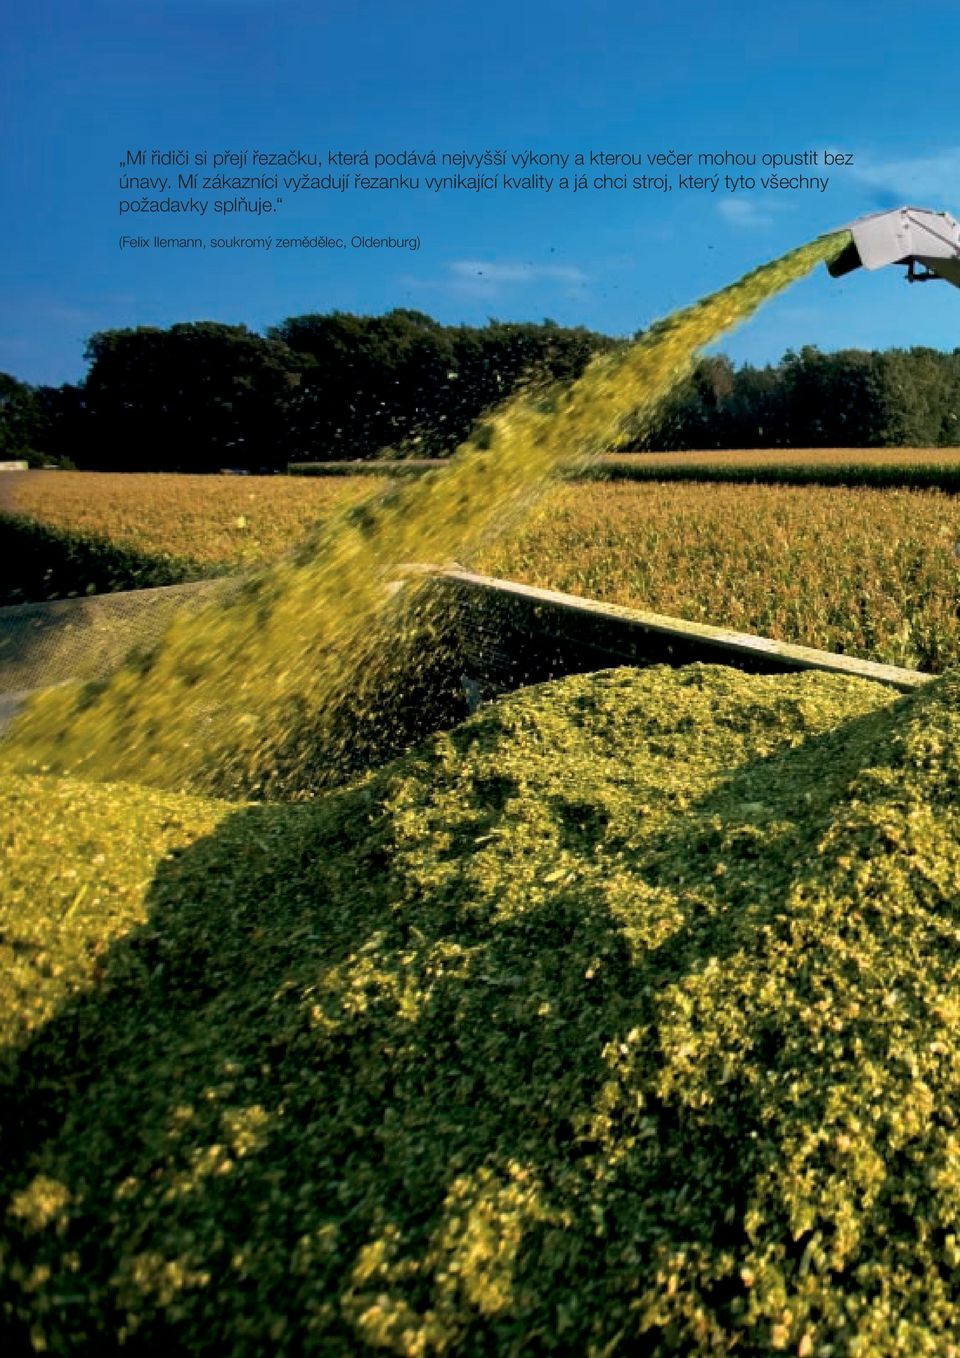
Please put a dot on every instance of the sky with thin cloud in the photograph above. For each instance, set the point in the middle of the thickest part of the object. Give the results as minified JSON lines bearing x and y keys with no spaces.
{"x":85,"y":83}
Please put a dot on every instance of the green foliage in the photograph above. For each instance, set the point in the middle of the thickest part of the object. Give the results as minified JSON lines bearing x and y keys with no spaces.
{"x":200,"y":396}
{"x":337,"y":386}
{"x":196,"y":397}
{"x":36,"y":422}
{"x":20,"y":420}
{"x":850,"y":399}
{"x":403,"y":381}
{"x":621,"y":1019}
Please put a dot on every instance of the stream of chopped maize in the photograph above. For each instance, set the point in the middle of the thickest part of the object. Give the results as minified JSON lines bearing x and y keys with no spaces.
{"x":265,"y":697}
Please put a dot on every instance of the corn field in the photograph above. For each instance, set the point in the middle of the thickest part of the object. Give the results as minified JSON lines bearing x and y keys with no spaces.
{"x":869,"y":573}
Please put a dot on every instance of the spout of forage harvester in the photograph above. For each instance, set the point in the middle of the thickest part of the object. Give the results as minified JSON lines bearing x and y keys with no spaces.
{"x":915,"y":236}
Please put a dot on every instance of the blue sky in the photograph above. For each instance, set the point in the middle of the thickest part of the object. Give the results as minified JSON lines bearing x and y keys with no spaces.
{"x":85,"y":82}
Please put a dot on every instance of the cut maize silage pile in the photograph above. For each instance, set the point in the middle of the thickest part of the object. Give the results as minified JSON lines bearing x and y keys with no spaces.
{"x":622,"y":1019}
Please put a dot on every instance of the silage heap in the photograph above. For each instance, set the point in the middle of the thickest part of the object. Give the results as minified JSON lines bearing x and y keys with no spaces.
{"x":622,"y":1019}
{"x":277,"y":692}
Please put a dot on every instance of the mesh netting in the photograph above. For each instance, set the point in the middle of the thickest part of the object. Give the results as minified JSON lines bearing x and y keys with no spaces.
{"x":509,"y":635}
{"x":45,"y":644}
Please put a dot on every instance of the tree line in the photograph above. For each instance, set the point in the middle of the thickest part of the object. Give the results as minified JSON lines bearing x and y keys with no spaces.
{"x":201,"y":396}
{"x":852,"y":398}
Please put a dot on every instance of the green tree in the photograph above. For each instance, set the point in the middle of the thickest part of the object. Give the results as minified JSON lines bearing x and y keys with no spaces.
{"x":195,"y":397}
{"x":403,"y":381}
{"x":22,"y":422}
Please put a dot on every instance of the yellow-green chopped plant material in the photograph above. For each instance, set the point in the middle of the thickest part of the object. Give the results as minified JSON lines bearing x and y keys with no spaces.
{"x":621,"y":1019}
{"x":236,"y":701}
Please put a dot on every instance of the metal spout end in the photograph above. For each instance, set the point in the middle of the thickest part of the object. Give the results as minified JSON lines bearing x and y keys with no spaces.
{"x":905,"y":235}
